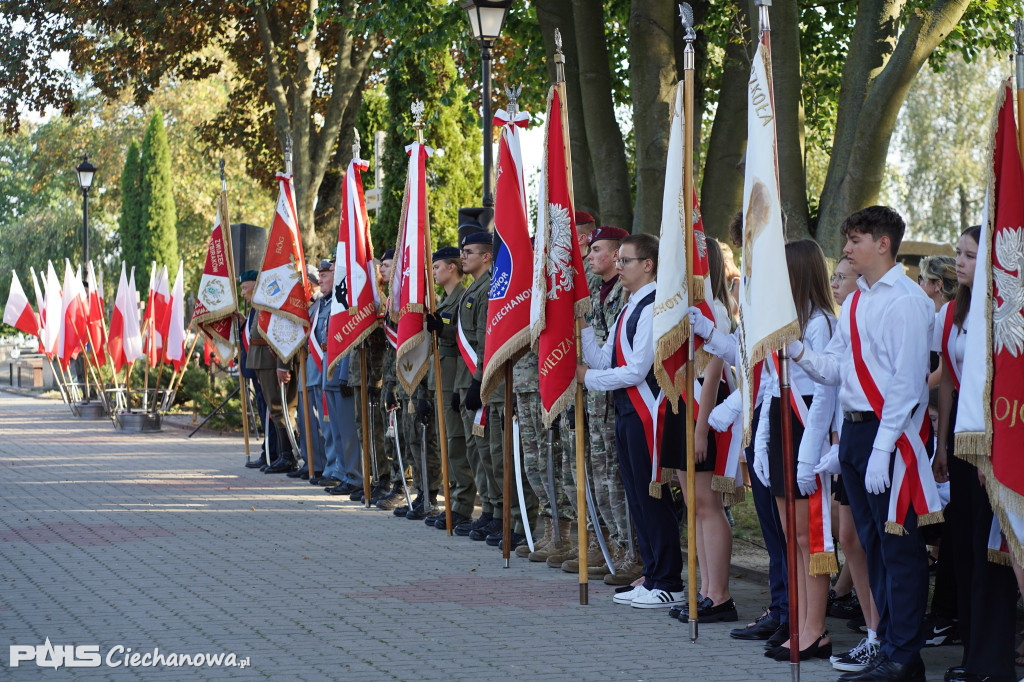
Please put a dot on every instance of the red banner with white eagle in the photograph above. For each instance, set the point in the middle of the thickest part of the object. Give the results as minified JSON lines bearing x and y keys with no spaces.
{"x":560,"y":291}
{"x":508,"y":308}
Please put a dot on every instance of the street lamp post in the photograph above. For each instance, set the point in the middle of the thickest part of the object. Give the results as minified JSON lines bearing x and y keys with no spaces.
{"x":85,"y":171}
{"x":486,"y":18}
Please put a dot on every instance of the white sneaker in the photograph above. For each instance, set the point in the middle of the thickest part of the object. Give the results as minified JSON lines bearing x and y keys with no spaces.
{"x":658,"y":599}
{"x":628,"y":596}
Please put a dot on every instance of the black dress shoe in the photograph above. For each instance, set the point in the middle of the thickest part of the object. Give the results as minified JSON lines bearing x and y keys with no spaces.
{"x":281,"y":466}
{"x":708,"y":612}
{"x":357,"y":496}
{"x":302,"y":473}
{"x":761,"y":629}
{"x":682,"y":613}
{"x":780,"y":636}
{"x":255,"y":463}
{"x":457,"y":520}
{"x":889,"y":671}
{"x":327,"y":481}
{"x":343,"y":489}
{"x":315,"y":479}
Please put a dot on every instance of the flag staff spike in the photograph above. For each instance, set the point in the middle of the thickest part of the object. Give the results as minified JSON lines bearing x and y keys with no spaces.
{"x":356,"y":145}
{"x":559,"y":58}
{"x":288,"y":153}
{"x":686,"y":17}
{"x":762,"y":13}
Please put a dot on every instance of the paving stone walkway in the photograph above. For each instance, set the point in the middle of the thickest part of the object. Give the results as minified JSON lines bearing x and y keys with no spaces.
{"x":150,"y":542}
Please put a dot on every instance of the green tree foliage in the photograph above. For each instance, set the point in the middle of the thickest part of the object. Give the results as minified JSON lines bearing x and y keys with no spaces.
{"x":454,"y":174}
{"x":129,"y":223}
{"x":158,"y":217}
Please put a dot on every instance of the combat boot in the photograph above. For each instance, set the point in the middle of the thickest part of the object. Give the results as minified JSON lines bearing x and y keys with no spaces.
{"x":601,"y":569}
{"x":523,"y":551}
{"x":594,"y":557}
{"x":626,"y":571}
{"x":568,"y":551}
{"x":558,"y":543}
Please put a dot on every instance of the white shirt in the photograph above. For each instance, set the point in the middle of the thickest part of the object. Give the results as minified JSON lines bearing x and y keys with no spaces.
{"x":638,"y":361}
{"x":896,"y":322}
{"x":959,"y":335}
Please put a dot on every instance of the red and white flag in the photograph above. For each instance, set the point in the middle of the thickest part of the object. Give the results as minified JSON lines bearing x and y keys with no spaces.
{"x":992,"y":386}
{"x":156,"y":309}
{"x":51,"y":314}
{"x":41,"y":307}
{"x":560,"y":291}
{"x":409,"y":282}
{"x":96,"y":320}
{"x":671,"y":328}
{"x":18,"y":312}
{"x":174,"y":321}
{"x":768,"y":319}
{"x":125,"y":340}
{"x":217,"y":301}
{"x":282,"y":289}
{"x":73,"y":319}
{"x":508,"y":307}
{"x":356,"y":299}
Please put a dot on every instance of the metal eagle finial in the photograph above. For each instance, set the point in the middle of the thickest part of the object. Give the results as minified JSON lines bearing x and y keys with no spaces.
{"x":513,"y":103}
{"x":355,"y":143}
{"x":558,"y":41}
{"x":417,"y":114}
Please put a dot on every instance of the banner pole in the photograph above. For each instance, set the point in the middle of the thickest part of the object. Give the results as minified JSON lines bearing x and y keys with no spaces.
{"x":364,"y":413}
{"x":225,"y":227}
{"x":581,"y":473}
{"x":506,"y":479}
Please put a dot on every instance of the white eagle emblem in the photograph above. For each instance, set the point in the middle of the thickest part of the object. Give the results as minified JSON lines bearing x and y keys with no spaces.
{"x":560,"y":251}
{"x":1007,"y":321}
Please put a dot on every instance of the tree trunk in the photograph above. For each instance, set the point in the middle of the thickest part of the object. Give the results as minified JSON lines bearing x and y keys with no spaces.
{"x":604,"y":138}
{"x":557,"y":14}
{"x":721,"y":192}
{"x":879,"y":69}
{"x":328,"y":205}
{"x":654,"y":76}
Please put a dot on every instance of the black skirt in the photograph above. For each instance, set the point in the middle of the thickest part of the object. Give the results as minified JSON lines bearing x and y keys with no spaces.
{"x":709,"y":462}
{"x":776,"y":473}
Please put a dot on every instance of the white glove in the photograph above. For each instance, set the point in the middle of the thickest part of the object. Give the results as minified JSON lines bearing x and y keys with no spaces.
{"x":829,"y":463}
{"x":806,"y":479}
{"x":724,"y":415}
{"x":876,"y":478}
{"x":761,"y":466}
{"x":795,"y":349}
{"x":700,"y":325}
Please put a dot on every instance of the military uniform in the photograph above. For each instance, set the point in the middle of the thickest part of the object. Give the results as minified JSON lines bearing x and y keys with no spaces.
{"x":313,"y":380}
{"x":374,"y":346}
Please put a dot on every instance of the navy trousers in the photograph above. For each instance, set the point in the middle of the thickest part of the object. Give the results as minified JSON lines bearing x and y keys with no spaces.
{"x":261,"y":414}
{"x":897,"y":564}
{"x":774,"y":538}
{"x":657,"y":530}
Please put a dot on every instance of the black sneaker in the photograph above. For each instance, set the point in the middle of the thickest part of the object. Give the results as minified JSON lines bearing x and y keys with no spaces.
{"x":845,"y":607}
{"x":480,"y":534}
{"x":939,"y":631}
{"x":856,"y":659}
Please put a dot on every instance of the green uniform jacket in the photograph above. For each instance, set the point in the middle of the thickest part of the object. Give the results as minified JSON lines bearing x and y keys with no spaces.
{"x":472,"y":314}
{"x":447,"y":348}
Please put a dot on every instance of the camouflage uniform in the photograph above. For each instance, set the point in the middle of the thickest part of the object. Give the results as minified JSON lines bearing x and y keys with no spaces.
{"x":374,"y":346}
{"x":462,"y":495}
{"x":533,"y":437}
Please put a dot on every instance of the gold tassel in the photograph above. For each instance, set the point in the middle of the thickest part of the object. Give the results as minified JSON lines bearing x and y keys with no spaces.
{"x":823,"y":563}
{"x":894,"y":528}
{"x":997,"y":557}
{"x":479,"y":430}
{"x":930,"y":518}
{"x":697,"y":284}
{"x":735,"y":497}
{"x":723,"y":484}
{"x":654,"y":490}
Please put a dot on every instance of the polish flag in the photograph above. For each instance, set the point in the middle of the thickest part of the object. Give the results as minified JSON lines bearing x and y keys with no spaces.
{"x":174,"y":322}
{"x":72,"y":315}
{"x":18,"y":313}
{"x":51,"y":313}
{"x":125,"y":340}
{"x":96,"y":324}
{"x":41,"y":307}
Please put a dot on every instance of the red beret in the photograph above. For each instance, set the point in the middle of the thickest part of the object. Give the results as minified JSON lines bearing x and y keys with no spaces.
{"x":582,"y":218}
{"x":607,"y":232}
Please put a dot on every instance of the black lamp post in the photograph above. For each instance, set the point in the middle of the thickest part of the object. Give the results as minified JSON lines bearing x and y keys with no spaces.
{"x":486,"y":18}
{"x":85,"y":171}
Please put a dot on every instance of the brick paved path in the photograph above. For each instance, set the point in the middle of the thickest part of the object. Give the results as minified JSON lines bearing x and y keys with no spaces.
{"x":160,"y":541}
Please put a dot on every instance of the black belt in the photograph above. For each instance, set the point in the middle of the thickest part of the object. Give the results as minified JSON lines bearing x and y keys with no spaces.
{"x":857,"y":417}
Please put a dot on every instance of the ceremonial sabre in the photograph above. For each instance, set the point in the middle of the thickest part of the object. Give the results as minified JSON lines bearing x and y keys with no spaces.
{"x":296,"y":450}
{"x":266,"y":436}
{"x":371,"y":409}
{"x":552,"y":501}
{"x":595,"y":519}
{"x":393,"y":431}
{"x":518,"y":457}
{"x":424,"y":477}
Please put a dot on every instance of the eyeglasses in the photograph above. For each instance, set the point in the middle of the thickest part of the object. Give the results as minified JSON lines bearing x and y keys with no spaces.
{"x":838,"y":278}
{"x":627,"y":260}
{"x":467,"y":252}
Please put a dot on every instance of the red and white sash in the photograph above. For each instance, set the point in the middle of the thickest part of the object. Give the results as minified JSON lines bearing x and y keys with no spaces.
{"x":728,"y":476}
{"x":315,"y":349}
{"x":470,"y":357}
{"x":246,"y":334}
{"x":948,"y":341}
{"x":823,"y":554}
{"x":913,"y":486}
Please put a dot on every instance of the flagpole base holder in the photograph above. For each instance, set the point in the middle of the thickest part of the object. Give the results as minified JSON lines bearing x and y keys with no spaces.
{"x":137,"y":422}
{"x":90,"y":410}
{"x":506,"y":562}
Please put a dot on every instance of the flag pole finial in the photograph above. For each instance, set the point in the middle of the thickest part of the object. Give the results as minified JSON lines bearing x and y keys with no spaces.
{"x":356,"y":147}
{"x":686,"y":17}
{"x":417,"y":119}
{"x":559,"y":58}
{"x":513,"y":100}
{"x":1018,"y":44}
{"x":762,"y":13}
{"x":223,"y":178}
{"x":288,"y":152}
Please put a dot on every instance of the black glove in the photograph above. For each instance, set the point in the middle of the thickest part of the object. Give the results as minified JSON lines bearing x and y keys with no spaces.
{"x":434,"y":323}
{"x":390,"y":399}
{"x":473,"y":402}
{"x":423,"y":411}
{"x":347,"y":391}
{"x":454,"y":404}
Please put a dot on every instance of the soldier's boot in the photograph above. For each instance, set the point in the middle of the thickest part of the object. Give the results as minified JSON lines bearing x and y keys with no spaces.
{"x":557,"y":543}
{"x":626,"y":571}
{"x":601,"y":569}
{"x":523,"y":551}
{"x":594,"y":557}
{"x":564,"y":549}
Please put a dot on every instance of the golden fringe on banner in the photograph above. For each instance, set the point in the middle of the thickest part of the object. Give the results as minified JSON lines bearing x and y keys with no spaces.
{"x":997,"y":557}
{"x":511,"y":352}
{"x":1002,"y":498}
{"x":655,"y":487}
{"x":408,"y":347}
{"x":723,"y":484}
{"x":735,"y":497}
{"x":973,"y":446}
{"x":697,"y":286}
{"x":823,"y":563}
{"x":560,"y":405}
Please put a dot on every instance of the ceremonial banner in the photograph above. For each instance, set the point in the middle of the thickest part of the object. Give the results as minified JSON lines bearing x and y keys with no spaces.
{"x":95,"y":328}
{"x":217,"y":299}
{"x":356,"y":298}
{"x":990,"y":436}
{"x":560,"y":291}
{"x":282,"y":289}
{"x":671,"y":325}
{"x":72,"y":315}
{"x":409,"y":281}
{"x":18,"y":312}
{"x":174,"y":322}
{"x":768,"y":319}
{"x":508,"y":308}
{"x":52,"y":313}
{"x":125,"y":340}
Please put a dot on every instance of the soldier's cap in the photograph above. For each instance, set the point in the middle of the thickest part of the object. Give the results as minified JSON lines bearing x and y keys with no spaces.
{"x":478,"y":238}
{"x":311,"y":274}
{"x":326,"y":264}
{"x":248,"y":276}
{"x":388,"y":255}
{"x":582,"y":218}
{"x":607,"y":232}
{"x":444,"y":253}
{"x":472,"y":220}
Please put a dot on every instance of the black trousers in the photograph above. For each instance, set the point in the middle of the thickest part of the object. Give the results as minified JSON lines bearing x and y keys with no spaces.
{"x":657,"y":531}
{"x":774,"y":538}
{"x":985,"y":591}
{"x":897,"y":564}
